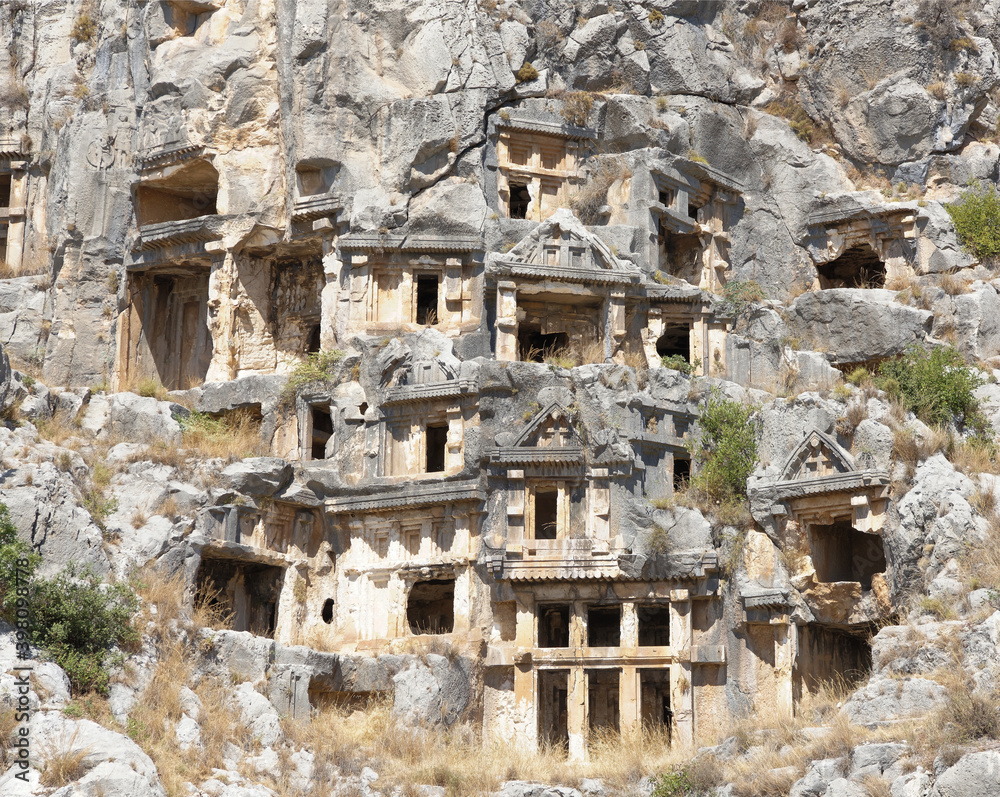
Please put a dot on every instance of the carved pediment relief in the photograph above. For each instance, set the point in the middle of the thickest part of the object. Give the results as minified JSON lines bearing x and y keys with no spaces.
{"x":562,"y":248}
{"x":551,"y":428}
{"x":817,"y":456}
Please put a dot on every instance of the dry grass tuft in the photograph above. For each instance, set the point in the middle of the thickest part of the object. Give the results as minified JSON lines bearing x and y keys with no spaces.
{"x":231,"y":436}
{"x":64,"y":764}
{"x":953,"y":285}
{"x":981,"y":558}
{"x":877,"y":785}
{"x":8,"y":725}
{"x":856,"y":412}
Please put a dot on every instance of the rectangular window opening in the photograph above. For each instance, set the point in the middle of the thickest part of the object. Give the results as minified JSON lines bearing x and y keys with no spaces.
{"x":6,"y":186}
{"x":654,"y":694}
{"x":245,"y":594}
{"x":322,"y":430}
{"x":553,"y":691}
{"x":602,"y":699}
{"x":520,"y":201}
{"x":546,"y":513}
{"x":437,"y":439}
{"x":430,"y":607}
{"x":604,"y":626}
{"x":682,"y":473}
{"x":427,"y":299}
{"x":654,"y":624}
{"x":553,"y":626}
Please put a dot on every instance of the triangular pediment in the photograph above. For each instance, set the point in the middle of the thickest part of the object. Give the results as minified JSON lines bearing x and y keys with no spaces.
{"x":817,"y":456}
{"x":550,"y":428}
{"x":562,"y":247}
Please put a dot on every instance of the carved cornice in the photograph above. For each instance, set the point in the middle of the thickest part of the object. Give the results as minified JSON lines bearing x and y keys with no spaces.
{"x":168,"y":233}
{"x":414,"y":394}
{"x":409,"y":495}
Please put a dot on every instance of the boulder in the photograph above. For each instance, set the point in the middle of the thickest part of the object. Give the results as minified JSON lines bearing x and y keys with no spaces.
{"x":144,"y":419}
{"x":259,"y":476}
{"x":258,"y":714}
{"x":886,"y":700}
{"x":857,"y":325}
{"x":974,"y":775}
{"x":113,"y":764}
{"x":435,"y":693}
{"x":820,"y":775}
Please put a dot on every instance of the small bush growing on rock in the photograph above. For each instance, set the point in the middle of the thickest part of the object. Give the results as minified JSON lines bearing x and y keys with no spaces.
{"x":727,"y":450}
{"x":318,"y":368}
{"x":526,"y":73}
{"x":17,"y":565}
{"x":576,"y":107}
{"x":79,"y":621}
{"x":84,"y":28}
{"x":792,"y":112}
{"x":739,"y":296}
{"x":677,"y":362}
{"x":933,"y":384}
{"x":976,"y":216}
{"x":656,"y":18}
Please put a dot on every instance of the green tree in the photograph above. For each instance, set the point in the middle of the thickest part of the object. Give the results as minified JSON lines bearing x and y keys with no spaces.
{"x":976,"y":216}
{"x":727,"y":449}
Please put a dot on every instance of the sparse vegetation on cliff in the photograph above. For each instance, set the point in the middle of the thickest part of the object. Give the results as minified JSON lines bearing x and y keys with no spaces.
{"x":976,"y":216}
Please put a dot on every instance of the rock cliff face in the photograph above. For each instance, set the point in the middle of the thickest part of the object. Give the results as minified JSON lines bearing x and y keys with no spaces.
{"x":383,"y":335}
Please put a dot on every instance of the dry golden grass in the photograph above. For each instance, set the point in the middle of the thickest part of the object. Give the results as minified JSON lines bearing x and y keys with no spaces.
{"x":8,"y":724}
{"x":64,"y":763}
{"x":971,"y":458}
{"x":457,"y":759}
{"x":235,"y":435}
{"x":953,"y":285}
{"x":877,"y":785}
{"x":856,"y":412}
{"x":576,"y":353}
{"x":981,"y":558}
{"x":146,"y":386}
{"x":57,"y":429}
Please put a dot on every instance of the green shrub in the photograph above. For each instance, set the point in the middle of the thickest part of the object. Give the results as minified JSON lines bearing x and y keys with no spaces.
{"x":15,"y":556}
{"x":727,"y":449}
{"x":80,"y":621}
{"x":976,"y":216}
{"x":678,"y":363}
{"x":738,"y":296}
{"x":934,"y":384}
{"x":318,"y":368}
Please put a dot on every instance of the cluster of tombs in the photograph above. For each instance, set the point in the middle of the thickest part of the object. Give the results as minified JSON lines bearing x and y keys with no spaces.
{"x":517,"y":549}
{"x":529,"y":563}
{"x":260,"y":304}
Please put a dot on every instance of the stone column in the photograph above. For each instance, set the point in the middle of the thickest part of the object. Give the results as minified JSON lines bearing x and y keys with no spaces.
{"x":506,"y":321}
{"x":615,"y":327}
{"x":785,"y":645}
{"x":576,"y":714}
{"x":333,"y":267}
{"x":629,"y":699}
{"x":525,"y":697}
{"x":681,"y":688}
